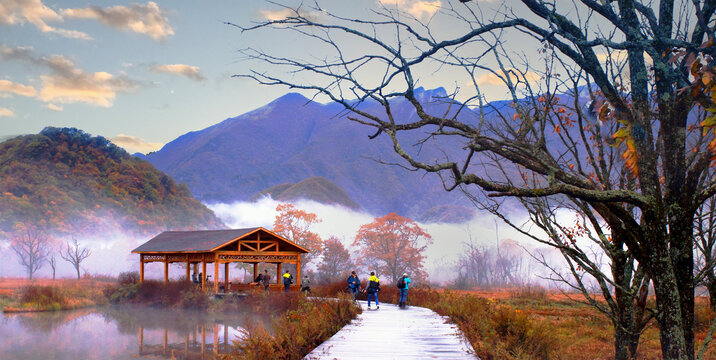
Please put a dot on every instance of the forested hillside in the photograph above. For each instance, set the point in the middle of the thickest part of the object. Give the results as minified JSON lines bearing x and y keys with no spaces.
{"x":65,"y":180}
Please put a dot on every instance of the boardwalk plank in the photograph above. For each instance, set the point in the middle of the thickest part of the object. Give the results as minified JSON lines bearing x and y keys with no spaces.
{"x":394,"y":333}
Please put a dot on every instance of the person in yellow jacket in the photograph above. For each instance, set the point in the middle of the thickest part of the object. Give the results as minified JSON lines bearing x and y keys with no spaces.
{"x":287,"y":281}
{"x":372,"y":289}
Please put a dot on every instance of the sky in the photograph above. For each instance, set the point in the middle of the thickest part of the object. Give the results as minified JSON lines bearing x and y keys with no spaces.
{"x":143,"y":73}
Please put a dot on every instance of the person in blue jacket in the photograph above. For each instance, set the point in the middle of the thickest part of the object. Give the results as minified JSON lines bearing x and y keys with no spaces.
{"x":405,"y":282}
{"x":354,"y":284}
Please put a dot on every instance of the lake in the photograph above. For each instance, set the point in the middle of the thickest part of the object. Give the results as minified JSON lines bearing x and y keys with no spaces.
{"x":120,"y":332}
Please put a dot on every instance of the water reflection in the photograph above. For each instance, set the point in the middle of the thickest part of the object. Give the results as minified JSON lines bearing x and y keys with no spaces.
{"x":120,"y":333}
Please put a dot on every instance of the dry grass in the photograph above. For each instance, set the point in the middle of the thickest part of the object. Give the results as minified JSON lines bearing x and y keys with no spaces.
{"x":44,"y":294}
{"x":305,"y":324}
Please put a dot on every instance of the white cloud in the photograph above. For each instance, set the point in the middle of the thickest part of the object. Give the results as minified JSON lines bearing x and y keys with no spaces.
{"x":492,"y":79}
{"x":189,"y":71}
{"x":54,"y":107}
{"x":7,"y":86}
{"x":68,"y":84}
{"x":135,"y":144}
{"x":5,"y":112}
{"x":276,"y":15}
{"x":147,"y":19}
{"x":14,"y":12}
{"x":420,"y":9}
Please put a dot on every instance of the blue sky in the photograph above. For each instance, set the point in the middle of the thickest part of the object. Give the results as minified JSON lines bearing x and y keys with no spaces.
{"x":143,"y":73}
{"x":140,"y":73}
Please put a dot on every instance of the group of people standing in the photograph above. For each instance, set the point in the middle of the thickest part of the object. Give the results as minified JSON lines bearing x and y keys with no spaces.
{"x":374,"y":287}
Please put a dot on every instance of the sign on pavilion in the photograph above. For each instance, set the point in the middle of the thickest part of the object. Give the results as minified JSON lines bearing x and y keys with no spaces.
{"x":252,"y":245}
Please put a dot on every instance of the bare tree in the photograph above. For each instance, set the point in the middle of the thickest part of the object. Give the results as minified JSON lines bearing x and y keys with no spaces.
{"x":705,"y":234}
{"x":74,"y":254}
{"x":52,"y":260}
{"x":31,"y":247}
{"x":640,"y":167}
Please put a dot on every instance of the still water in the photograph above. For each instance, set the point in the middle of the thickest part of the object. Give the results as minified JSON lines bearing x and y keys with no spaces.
{"x":120,"y":333}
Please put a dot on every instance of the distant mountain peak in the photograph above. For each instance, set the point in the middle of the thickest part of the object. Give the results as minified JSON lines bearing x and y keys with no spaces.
{"x":317,"y":188}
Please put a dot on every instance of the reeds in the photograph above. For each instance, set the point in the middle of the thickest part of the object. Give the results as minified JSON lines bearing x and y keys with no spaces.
{"x":307,"y":324}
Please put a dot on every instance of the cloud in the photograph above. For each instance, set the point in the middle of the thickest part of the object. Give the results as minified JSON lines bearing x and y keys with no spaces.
{"x":276,"y":15}
{"x":14,"y":12}
{"x":191,"y":72}
{"x":419,"y":9}
{"x":145,"y":19}
{"x":135,"y":144}
{"x":54,"y":107}
{"x":492,"y":79}
{"x":5,"y":112}
{"x":68,"y":84}
{"x":7,"y":86}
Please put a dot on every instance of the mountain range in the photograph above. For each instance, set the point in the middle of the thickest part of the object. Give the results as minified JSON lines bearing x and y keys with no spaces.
{"x":293,"y":139}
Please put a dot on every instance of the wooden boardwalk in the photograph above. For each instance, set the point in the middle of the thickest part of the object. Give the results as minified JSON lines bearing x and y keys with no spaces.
{"x":394,"y":333}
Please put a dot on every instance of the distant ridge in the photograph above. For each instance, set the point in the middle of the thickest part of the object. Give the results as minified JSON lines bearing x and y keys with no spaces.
{"x":66,"y":181}
{"x":317,"y":188}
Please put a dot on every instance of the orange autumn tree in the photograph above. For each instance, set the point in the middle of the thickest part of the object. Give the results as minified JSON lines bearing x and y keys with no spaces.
{"x":336,"y":262}
{"x":393,"y":245}
{"x":295,"y":225}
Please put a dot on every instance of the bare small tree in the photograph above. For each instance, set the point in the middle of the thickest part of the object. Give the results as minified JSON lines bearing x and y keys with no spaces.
{"x":52,"y":260}
{"x":74,"y":254}
{"x":31,"y":247}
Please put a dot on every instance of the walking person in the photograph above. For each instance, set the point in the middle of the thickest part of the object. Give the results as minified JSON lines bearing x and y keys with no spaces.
{"x":354,"y":285}
{"x":266,"y":280}
{"x":372,"y":289}
{"x":287,"y":281}
{"x":403,"y":283}
{"x":306,"y":285}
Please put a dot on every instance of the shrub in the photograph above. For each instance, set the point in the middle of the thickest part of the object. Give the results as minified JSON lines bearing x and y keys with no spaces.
{"x":43,"y":297}
{"x":130,"y":277}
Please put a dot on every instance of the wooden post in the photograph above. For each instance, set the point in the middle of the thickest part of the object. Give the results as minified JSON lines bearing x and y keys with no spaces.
{"x":216,"y":339}
{"x":188,"y":276}
{"x":196,"y":268}
{"x":226,"y":335}
{"x":164,"y":343}
{"x":141,"y":268}
{"x":298,"y":271}
{"x":203,"y":338}
{"x":216,"y":276}
{"x":256,"y":269}
{"x":141,"y":339}
{"x":203,"y":273}
{"x":278,"y":273}
{"x":226,"y":277}
{"x":166,"y":270}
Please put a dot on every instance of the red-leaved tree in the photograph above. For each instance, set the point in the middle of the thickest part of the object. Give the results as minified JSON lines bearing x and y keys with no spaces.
{"x":336,"y":262}
{"x":393,"y":245}
{"x":295,"y":225}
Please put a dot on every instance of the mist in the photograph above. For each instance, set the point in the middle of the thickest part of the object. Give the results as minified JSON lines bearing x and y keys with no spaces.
{"x":440,"y":257}
{"x":111,"y":249}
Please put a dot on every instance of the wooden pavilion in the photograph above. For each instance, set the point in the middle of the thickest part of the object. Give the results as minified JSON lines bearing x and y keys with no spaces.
{"x":252,"y":245}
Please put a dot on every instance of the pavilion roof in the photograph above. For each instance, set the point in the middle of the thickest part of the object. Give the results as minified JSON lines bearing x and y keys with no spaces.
{"x":200,"y":240}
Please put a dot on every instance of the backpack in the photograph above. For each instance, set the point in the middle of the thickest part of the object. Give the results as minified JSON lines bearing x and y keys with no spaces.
{"x":401,"y":283}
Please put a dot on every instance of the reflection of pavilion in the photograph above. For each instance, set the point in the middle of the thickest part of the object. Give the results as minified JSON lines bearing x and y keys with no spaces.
{"x":252,"y":245}
{"x":194,"y":345}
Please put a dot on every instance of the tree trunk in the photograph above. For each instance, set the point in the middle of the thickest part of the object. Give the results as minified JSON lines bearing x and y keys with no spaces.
{"x":668,"y":304}
{"x":78,"y":271}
